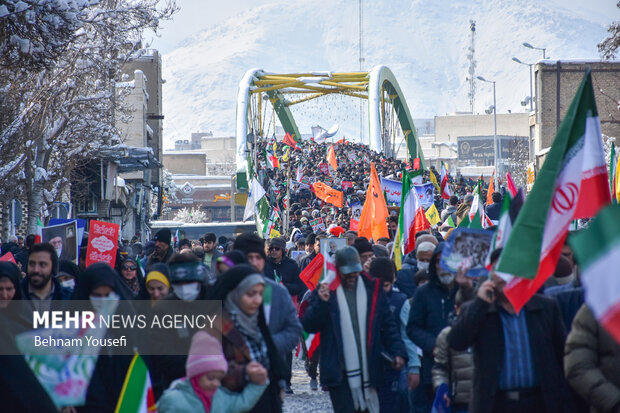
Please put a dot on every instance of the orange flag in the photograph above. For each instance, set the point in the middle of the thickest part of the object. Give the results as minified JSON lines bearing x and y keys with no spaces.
{"x":331,"y":157}
{"x":374,"y":213}
{"x":328,"y":194}
{"x":490,"y":190}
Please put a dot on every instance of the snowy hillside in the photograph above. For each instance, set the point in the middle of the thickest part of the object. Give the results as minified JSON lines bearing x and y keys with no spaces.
{"x":424,"y":42}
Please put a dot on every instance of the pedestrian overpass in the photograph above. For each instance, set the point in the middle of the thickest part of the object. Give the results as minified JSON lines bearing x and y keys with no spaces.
{"x":388,"y":113}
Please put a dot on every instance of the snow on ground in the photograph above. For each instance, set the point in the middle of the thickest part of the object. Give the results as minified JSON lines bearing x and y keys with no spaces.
{"x":303,"y":399}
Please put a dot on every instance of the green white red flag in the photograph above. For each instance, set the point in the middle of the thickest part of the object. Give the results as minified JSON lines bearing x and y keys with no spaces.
{"x":597,"y":250}
{"x":404,"y":240}
{"x":507,"y":217}
{"x":445,"y":186}
{"x":137,"y":392}
{"x":38,"y":237}
{"x":571,"y":184}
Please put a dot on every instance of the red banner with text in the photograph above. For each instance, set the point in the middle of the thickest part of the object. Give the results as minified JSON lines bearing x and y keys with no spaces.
{"x":102,"y":243}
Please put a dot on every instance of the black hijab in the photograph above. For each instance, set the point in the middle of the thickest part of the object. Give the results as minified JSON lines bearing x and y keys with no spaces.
{"x":12,"y":272}
{"x":96,"y":275}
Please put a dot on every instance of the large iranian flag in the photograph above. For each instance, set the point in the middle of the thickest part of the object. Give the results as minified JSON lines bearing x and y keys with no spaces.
{"x":598,"y":252}
{"x":571,"y":184}
{"x":137,"y":393}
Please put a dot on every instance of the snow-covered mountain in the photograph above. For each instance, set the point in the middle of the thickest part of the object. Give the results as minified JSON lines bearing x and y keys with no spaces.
{"x":424,"y":42}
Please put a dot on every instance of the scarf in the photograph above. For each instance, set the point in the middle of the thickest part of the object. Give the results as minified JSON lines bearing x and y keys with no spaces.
{"x":133,"y":285}
{"x":364,"y":396}
{"x":205,"y":396}
{"x":247,"y":324}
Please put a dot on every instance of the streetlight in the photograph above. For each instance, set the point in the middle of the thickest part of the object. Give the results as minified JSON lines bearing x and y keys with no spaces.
{"x":529,"y":46}
{"x":494,"y":125}
{"x":514,"y":59}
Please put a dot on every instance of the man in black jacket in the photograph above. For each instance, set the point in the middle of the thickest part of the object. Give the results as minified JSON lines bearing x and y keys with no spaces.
{"x":495,"y":208}
{"x":517,"y":357}
{"x":282,"y":269}
{"x":40,"y":285}
{"x":354,"y":321}
{"x":430,"y":313}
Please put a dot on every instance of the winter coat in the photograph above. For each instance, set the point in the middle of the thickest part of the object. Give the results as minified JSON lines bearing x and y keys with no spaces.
{"x":570,"y":297}
{"x":307,"y":260}
{"x":152,"y":259}
{"x":404,"y":277}
{"x":20,"y":390}
{"x":163,"y":367}
{"x":493,"y":211}
{"x":450,"y":210}
{"x":480,"y":327}
{"x":287,"y":271}
{"x":214,"y":256}
{"x":237,"y":353}
{"x":383,"y":333}
{"x":181,"y":398}
{"x":592,"y":363}
{"x":60,"y":293}
{"x":282,"y":318}
{"x":430,"y":313}
{"x":455,"y":368}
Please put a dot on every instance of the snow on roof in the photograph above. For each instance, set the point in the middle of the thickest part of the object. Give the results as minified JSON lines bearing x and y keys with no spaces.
{"x":576,"y":61}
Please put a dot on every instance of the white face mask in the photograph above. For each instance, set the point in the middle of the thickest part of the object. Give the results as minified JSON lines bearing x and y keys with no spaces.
{"x":446,"y":278}
{"x":68,"y":284}
{"x":422,"y":265}
{"x":186,"y":292}
{"x":105,"y":305}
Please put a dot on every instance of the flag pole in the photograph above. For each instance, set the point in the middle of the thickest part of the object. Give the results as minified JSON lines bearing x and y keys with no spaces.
{"x":285,"y":220}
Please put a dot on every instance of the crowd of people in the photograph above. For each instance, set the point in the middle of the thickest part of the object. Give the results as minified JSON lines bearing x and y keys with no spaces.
{"x":391,"y":340}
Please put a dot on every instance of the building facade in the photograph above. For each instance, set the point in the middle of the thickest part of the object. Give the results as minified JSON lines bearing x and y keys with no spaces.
{"x":556,"y":84}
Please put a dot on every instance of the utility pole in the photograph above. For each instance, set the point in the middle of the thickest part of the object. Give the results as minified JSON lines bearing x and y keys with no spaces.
{"x":361,"y":60}
{"x":472,"y":66}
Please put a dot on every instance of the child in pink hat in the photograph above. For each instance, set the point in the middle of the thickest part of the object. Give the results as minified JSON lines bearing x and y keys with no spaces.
{"x":200,"y":390}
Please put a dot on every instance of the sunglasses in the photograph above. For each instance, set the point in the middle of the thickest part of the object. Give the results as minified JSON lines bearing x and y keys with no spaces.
{"x":130,"y":267}
{"x":275,"y":248}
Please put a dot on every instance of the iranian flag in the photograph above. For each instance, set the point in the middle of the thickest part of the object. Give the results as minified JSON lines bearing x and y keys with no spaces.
{"x":477,"y":217}
{"x":445,"y":186}
{"x":571,"y":184}
{"x":404,"y":241}
{"x":598,"y":252}
{"x":38,"y":238}
{"x":507,"y":217}
{"x":137,"y":393}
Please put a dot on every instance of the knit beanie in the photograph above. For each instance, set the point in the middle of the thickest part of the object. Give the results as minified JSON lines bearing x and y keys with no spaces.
{"x":163,"y":235}
{"x":205,"y":355}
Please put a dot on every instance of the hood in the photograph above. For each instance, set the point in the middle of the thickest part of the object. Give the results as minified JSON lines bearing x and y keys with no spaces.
{"x":96,"y":275}
{"x":432,"y":267}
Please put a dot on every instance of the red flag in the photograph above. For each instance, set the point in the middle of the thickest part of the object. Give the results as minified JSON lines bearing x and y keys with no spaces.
{"x":511,"y":185}
{"x":420,"y":222}
{"x":416,"y":164}
{"x":311,"y":275}
{"x":288,"y":140}
{"x":8,"y":257}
